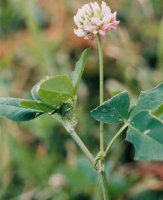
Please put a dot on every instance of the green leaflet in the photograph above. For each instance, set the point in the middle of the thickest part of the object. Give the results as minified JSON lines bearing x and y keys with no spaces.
{"x":10,"y":108}
{"x":79,"y":68}
{"x":149,"y":100}
{"x":114,"y":110}
{"x":56,"y":90}
{"x":37,"y":105}
{"x":145,"y":132}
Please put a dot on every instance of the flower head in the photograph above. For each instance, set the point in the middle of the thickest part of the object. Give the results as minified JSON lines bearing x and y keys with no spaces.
{"x":94,"y":19}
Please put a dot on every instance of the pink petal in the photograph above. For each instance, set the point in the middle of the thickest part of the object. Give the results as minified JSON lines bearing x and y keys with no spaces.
{"x":101,"y":32}
{"x":89,"y":37}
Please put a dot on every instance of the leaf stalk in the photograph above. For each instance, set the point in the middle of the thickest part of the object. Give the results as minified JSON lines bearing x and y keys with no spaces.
{"x":115,"y":137}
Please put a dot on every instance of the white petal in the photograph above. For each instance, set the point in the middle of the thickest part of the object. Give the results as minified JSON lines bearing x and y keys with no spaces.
{"x":89,"y":28}
{"x":105,"y":9}
{"x":107,"y":17}
{"x":79,"y":32}
{"x":80,"y":13}
{"x":77,"y":20}
{"x":87,"y":8}
{"x":114,"y":14}
{"x":96,"y":6}
{"x":96,"y":9}
{"x":96,"y":21}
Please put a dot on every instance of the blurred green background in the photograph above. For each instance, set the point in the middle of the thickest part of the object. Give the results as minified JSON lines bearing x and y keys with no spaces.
{"x":38,"y":159}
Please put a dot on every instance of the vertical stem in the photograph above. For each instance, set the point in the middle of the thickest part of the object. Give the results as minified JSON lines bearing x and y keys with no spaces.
{"x":101,"y":72}
{"x":104,"y":185}
{"x":102,"y":164}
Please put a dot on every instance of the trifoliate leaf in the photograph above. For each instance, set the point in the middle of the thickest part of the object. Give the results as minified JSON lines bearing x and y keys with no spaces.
{"x":145,"y":130}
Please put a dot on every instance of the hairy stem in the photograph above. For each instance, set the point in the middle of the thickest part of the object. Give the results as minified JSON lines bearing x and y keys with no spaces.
{"x":115,"y":137}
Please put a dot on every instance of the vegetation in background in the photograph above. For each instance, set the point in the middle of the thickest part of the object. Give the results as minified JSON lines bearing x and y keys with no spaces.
{"x":38,"y":159}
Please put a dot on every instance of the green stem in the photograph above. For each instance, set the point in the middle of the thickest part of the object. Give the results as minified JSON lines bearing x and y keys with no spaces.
{"x":104,"y":185}
{"x":102,"y":151}
{"x":101,"y":72}
{"x":82,"y":146}
{"x":115,"y":137}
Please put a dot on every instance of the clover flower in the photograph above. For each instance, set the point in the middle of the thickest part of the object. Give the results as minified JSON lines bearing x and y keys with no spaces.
{"x":94,"y":19}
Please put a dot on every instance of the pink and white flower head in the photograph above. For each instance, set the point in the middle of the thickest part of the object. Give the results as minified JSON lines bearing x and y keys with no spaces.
{"x":94,"y":19}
